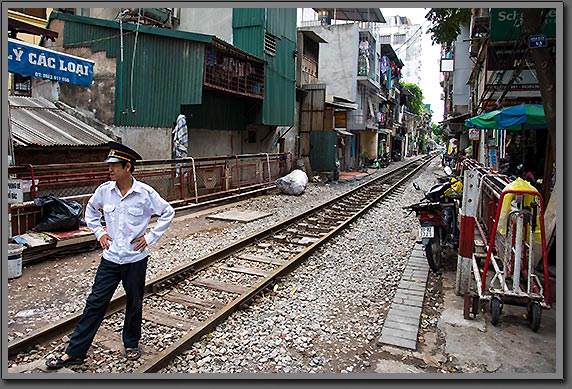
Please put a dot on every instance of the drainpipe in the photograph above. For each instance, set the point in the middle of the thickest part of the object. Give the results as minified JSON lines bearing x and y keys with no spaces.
{"x":121,"y":61}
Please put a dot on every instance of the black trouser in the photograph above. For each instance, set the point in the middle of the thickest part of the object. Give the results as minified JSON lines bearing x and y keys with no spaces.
{"x":132,"y":277}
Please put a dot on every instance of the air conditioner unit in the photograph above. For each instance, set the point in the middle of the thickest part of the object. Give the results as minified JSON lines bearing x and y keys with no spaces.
{"x":160,"y":16}
{"x":391,"y":94}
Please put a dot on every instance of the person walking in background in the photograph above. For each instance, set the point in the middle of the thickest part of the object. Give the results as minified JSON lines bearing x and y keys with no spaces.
{"x":127,"y":206}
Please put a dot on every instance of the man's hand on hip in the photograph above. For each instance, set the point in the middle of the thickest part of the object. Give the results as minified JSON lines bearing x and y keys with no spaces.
{"x":141,"y":243}
{"x":104,"y":241}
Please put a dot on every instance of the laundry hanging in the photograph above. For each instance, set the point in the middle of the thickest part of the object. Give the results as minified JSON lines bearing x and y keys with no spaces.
{"x":181,"y":137}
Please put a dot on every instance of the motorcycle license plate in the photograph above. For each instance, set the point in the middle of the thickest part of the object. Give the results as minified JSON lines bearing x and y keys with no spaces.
{"x":426,"y":232}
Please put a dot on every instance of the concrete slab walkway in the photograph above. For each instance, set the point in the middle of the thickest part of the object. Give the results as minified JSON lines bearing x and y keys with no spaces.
{"x":402,"y":323}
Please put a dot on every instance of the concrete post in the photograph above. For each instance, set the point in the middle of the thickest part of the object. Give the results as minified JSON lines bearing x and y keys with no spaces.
{"x":468,"y":213}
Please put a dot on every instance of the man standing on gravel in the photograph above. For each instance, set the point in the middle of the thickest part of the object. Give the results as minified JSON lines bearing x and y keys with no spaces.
{"x":127,"y":207}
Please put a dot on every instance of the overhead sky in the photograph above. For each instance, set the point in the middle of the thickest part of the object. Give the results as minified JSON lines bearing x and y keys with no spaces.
{"x":430,"y":75}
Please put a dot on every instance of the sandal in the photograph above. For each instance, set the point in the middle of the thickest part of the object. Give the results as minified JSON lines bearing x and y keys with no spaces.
{"x":58,"y":362}
{"x":132,"y":353}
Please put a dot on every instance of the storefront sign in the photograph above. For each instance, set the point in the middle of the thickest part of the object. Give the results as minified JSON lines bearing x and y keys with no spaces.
{"x":536,"y":41}
{"x":15,"y":192}
{"x":488,"y":104}
{"x":506,"y":24}
{"x":493,"y":162}
{"x":35,"y":61}
{"x":474,"y":134}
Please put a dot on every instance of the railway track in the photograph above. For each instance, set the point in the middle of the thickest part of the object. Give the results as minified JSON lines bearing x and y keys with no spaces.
{"x":206,"y":291}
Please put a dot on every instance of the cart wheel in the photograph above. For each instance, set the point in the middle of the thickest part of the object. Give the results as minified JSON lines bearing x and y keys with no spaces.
{"x":496,"y":307}
{"x":534,"y":316}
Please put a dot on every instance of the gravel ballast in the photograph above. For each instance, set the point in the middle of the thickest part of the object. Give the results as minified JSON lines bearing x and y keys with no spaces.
{"x":325,"y":317}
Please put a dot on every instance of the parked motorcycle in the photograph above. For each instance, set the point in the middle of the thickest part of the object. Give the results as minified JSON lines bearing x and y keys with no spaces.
{"x":449,"y":160}
{"x":384,"y":160}
{"x":438,"y":219}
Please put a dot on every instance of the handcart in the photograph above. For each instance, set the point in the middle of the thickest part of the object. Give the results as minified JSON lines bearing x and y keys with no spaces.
{"x":511,"y":254}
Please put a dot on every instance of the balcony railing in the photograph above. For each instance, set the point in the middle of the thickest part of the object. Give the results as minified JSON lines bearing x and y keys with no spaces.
{"x":231,"y":70}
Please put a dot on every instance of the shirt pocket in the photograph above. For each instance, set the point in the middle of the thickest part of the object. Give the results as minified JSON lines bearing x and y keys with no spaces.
{"x":135,"y":215}
{"x":109,"y":213}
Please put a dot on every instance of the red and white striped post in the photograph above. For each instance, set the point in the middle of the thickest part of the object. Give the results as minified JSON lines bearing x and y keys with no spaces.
{"x":468,"y":212}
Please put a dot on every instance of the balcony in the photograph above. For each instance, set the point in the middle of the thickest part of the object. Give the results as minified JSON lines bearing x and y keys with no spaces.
{"x":230,"y":70}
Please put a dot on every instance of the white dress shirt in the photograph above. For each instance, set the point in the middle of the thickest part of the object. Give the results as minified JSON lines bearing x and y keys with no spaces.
{"x":126,"y":218}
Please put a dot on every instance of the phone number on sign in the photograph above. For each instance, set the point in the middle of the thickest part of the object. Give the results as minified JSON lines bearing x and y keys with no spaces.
{"x":51,"y":77}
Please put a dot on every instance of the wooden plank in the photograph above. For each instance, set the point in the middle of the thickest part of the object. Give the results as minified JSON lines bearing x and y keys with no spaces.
{"x":108,"y":338}
{"x":247,"y":270}
{"x":260,"y":259}
{"x":194,"y":302}
{"x":165,"y":319}
{"x":213,"y":284}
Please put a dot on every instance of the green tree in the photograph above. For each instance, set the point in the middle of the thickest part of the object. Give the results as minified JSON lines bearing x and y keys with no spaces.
{"x":445,"y":28}
{"x":533,"y":19}
{"x":437,"y":131}
{"x":416,"y":99}
{"x":446,"y":23}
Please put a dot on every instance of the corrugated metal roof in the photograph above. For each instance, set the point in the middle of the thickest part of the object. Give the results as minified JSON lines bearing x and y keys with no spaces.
{"x":37,"y":121}
{"x":164,"y":32}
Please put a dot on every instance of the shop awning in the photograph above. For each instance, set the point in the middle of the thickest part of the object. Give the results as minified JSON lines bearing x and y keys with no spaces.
{"x":36,"y":61}
{"x":456,"y":119}
{"x":516,"y":117}
{"x":342,"y":131}
{"x":340,"y":102}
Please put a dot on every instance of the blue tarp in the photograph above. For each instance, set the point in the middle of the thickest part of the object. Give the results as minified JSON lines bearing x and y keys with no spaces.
{"x":39,"y":62}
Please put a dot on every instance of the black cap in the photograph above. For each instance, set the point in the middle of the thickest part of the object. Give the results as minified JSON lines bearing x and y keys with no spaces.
{"x":120,"y":153}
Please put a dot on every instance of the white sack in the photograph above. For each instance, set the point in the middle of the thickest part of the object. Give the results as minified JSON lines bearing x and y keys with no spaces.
{"x":293,"y":183}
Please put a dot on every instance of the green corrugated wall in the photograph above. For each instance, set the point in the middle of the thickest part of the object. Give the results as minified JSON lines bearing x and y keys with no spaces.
{"x":323,"y":152}
{"x":249,"y":27}
{"x":168,"y":72}
{"x":248,"y":17}
{"x":281,"y":22}
{"x":221,"y":112}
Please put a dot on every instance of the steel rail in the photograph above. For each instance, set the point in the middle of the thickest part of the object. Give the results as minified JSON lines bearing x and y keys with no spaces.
{"x":164,"y":357}
{"x":65,"y":325}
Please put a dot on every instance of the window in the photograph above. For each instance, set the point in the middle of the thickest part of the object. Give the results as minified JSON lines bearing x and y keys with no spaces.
{"x":269,"y":44}
{"x":22,"y":85}
{"x":83,"y":12}
{"x":399,"y":38}
{"x":385,"y":39}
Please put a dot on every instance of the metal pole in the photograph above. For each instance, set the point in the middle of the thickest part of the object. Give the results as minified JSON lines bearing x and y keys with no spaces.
{"x":517,"y":254}
{"x":195,"y":180}
{"x":468,"y":213}
{"x":268,"y":163}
